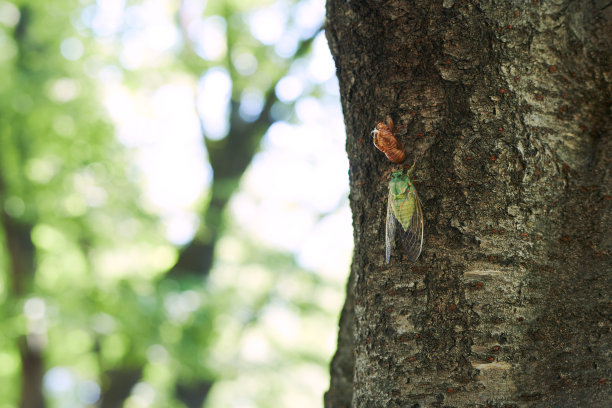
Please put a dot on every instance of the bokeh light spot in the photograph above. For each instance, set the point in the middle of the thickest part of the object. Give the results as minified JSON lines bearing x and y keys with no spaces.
{"x":72,"y":49}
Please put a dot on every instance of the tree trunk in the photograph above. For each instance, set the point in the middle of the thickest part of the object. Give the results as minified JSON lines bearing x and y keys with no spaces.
{"x":505,"y":105}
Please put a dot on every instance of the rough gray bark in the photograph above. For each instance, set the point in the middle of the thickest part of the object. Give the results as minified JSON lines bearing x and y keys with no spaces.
{"x":506,"y":107}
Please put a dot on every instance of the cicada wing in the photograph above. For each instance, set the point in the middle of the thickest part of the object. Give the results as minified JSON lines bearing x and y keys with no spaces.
{"x":412,"y":238}
{"x":389,"y":228}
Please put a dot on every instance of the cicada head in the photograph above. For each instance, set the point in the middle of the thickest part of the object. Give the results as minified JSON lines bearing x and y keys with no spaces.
{"x":399,"y":183}
{"x":397,"y":175}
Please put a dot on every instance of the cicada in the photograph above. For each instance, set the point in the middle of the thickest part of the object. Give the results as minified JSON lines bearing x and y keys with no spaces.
{"x":385,"y":140}
{"x":404,"y":208}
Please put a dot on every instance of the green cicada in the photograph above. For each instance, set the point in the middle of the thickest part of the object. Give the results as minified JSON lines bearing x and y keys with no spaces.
{"x":404,"y":208}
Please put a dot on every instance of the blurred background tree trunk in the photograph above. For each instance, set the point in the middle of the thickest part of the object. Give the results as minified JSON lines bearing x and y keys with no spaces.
{"x":506,"y":108}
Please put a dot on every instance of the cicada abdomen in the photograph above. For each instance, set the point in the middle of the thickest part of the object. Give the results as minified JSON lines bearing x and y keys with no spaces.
{"x":404,"y":208}
{"x":385,"y":141}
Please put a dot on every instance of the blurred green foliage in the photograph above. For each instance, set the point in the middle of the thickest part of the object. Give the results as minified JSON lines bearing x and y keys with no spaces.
{"x":90,"y":313}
